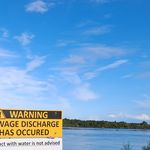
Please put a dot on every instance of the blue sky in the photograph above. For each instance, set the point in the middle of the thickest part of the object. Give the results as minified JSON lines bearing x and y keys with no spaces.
{"x":89,"y":58}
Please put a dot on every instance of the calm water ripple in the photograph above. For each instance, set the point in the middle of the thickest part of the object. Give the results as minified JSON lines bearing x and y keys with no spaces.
{"x":104,"y":139}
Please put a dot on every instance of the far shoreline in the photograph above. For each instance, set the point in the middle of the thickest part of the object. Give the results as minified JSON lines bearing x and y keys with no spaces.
{"x":95,"y":128}
{"x":76,"y":123}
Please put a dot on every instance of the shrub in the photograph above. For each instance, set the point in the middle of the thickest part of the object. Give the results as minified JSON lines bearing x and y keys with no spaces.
{"x":146,"y":147}
{"x":127,"y":147}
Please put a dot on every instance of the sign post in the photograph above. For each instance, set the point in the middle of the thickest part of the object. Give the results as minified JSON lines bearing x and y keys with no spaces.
{"x":32,"y":129}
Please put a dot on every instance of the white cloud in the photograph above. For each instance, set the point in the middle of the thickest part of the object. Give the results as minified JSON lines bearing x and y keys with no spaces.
{"x":100,"y":51}
{"x":73,"y":78}
{"x":19,"y":88}
{"x":141,"y":117}
{"x":35,"y":63}
{"x":88,"y":52}
{"x":73,"y":72}
{"x":24,"y":38}
{"x":126,"y":76}
{"x":98,"y":30}
{"x":75,"y":59}
{"x":144,"y":102}
{"x":6,"y":54}
{"x":69,"y":74}
{"x":114,"y":65}
{"x":65,"y":70}
{"x":39,"y":6}
{"x":63,"y":104}
{"x":83,"y":92}
{"x":63,"y":43}
{"x":129,"y":116}
{"x":19,"y":80}
{"x":106,"y":52}
{"x":77,"y":88}
{"x":90,"y":75}
{"x":4,"y":33}
{"x":85,"y":23}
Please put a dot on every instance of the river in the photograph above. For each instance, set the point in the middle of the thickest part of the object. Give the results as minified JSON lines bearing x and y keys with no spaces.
{"x":104,"y":139}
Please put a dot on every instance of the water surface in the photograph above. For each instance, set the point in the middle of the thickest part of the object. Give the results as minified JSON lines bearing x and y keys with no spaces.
{"x":104,"y":139}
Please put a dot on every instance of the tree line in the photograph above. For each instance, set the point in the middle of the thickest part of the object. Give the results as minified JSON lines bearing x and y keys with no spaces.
{"x":104,"y":124}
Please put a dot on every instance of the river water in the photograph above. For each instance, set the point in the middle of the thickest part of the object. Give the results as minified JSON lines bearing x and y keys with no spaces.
{"x":104,"y":139}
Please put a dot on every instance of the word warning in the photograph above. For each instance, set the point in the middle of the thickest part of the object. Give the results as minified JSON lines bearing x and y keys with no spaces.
{"x":30,"y":124}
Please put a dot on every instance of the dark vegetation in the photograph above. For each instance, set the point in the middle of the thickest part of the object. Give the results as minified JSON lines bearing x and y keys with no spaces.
{"x":147,"y":147}
{"x":126,"y":147}
{"x":129,"y":147}
{"x":104,"y":124}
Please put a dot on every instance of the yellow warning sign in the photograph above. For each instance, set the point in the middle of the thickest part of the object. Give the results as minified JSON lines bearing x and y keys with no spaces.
{"x":30,"y":123}
{"x":1,"y":115}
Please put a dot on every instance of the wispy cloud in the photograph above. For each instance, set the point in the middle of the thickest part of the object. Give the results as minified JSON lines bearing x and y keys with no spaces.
{"x":85,"y":23}
{"x":75,"y":59}
{"x":101,"y":51}
{"x":25,"y":38}
{"x":100,"y":30}
{"x":19,"y":88}
{"x":39,"y":6}
{"x":63,"y":43}
{"x":65,"y":69}
{"x":127,"y":76}
{"x":75,"y":69}
{"x":78,"y":89}
{"x":144,"y":102}
{"x":84,"y":92}
{"x":4,"y":33}
{"x":6,"y":53}
{"x":97,"y":51}
{"x":113,"y":65}
{"x":35,"y":63}
{"x":129,"y":116}
{"x":19,"y":81}
{"x":116,"y":64}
